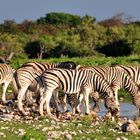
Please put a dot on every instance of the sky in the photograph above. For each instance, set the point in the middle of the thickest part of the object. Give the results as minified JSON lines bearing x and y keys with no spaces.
{"x":20,"y":10}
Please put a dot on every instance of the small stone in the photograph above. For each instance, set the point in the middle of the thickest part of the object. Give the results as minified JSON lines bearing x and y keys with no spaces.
{"x":32,"y":139}
{"x":118,"y":138}
{"x":123,"y":138}
{"x":53,"y":122}
{"x":20,"y":132}
{"x":68,"y":136}
{"x":130,"y":126}
{"x":54,"y":134}
{"x":45,"y":129}
{"x":79,"y":125}
{"x":17,"y":117}
{"x":2,"y":135}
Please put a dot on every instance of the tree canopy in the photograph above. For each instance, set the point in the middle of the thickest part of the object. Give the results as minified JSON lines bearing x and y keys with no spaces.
{"x":63,"y":34}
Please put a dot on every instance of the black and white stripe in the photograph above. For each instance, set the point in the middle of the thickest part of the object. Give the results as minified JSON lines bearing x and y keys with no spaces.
{"x":134,"y":73}
{"x":116,"y":78}
{"x":6,"y":75}
{"x":27,"y":77}
{"x":73,"y":82}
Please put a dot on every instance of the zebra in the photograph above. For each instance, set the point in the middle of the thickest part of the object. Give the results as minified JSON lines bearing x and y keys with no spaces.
{"x":74,"y":82}
{"x":6,"y":76}
{"x":26,"y":78}
{"x":134,"y":73}
{"x":116,"y":78}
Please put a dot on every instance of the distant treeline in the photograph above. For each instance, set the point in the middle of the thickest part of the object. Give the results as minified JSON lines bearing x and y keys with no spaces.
{"x":62,"y":34}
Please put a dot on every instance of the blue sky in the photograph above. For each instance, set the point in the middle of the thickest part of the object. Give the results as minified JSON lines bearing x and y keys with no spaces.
{"x":19,"y":10}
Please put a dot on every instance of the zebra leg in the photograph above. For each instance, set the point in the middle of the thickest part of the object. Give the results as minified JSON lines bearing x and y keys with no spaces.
{"x":117,"y":101}
{"x":81,"y":97}
{"x":73,"y":110}
{"x":55,"y":100}
{"x":29,"y":97}
{"x":45,"y":99}
{"x":65,"y":102}
{"x":15,"y":88}
{"x":5,"y":85}
{"x":95,"y":96}
{"x":86,"y":97}
{"x":21,"y":95}
{"x":96,"y":107}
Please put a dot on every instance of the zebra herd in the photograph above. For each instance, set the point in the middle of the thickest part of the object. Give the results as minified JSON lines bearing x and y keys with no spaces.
{"x":77,"y":83}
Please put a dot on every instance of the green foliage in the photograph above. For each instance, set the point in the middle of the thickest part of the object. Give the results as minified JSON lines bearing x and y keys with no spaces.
{"x":60,"y":18}
{"x":88,"y":61}
{"x":10,"y":43}
{"x":63,"y":34}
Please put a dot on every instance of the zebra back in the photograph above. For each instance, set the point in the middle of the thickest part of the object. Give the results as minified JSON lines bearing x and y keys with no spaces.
{"x":132,"y":71}
{"x":44,"y":66}
{"x":31,"y":71}
{"x":71,"y":81}
{"x":116,"y":78}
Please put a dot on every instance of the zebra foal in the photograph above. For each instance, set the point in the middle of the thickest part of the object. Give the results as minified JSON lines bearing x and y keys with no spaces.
{"x":6,"y":76}
{"x":72,"y":82}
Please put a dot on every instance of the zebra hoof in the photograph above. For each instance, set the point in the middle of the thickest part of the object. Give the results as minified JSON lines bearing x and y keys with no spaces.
{"x":86,"y":113}
{"x":9,"y":102}
{"x":57,"y":113}
{"x":25,"y":113}
{"x":96,"y":110}
{"x":67,"y":110}
{"x":93,"y":113}
{"x":77,"y":112}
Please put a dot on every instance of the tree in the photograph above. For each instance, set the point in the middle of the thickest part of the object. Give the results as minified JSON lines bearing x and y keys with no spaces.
{"x":60,"y":18}
{"x":117,"y":20}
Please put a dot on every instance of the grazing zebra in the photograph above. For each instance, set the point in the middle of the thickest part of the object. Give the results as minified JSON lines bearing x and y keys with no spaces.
{"x":6,"y":75}
{"x":117,"y":79}
{"x":134,"y":73}
{"x":72,"y":82}
{"x":27,"y":78}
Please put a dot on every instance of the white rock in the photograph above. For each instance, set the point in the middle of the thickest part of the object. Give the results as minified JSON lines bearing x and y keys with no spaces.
{"x":68,"y":136}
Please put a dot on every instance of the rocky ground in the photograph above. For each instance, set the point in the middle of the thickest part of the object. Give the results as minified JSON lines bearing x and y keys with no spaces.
{"x":66,"y":126}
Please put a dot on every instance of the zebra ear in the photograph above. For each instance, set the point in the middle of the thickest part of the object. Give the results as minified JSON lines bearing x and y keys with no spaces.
{"x":78,"y":67}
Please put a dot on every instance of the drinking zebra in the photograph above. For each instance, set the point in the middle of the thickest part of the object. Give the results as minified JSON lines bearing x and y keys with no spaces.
{"x":6,"y":75}
{"x":75,"y":81}
{"x":134,"y":73}
{"x":116,"y":78}
{"x":27,"y":78}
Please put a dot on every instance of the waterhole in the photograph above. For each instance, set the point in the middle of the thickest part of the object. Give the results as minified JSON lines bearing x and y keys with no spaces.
{"x":127,"y":110}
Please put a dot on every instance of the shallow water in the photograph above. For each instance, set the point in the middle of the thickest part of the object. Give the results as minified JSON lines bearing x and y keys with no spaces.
{"x":128,"y":110}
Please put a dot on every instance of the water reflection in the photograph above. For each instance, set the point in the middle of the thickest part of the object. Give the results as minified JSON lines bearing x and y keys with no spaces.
{"x":127,"y":110}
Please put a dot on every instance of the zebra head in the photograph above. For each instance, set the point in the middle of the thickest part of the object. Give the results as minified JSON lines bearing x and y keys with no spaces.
{"x":111,"y":105}
{"x":67,"y":65}
{"x":136,"y":100}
